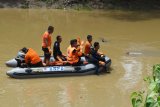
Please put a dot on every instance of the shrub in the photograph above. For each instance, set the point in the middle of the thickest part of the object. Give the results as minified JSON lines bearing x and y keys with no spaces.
{"x":152,"y":98}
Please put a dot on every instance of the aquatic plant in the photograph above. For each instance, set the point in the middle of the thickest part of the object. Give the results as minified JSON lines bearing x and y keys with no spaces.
{"x":152,"y":98}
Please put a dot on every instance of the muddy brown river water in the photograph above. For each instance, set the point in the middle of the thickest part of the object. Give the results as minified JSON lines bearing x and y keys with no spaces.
{"x":131,"y":40}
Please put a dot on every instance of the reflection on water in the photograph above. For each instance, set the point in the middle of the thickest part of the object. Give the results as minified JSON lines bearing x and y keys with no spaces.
{"x":134,"y":16}
{"x":70,"y":96}
{"x":2,"y":91}
{"x":64,"y":96}
{"x":133,"y":73}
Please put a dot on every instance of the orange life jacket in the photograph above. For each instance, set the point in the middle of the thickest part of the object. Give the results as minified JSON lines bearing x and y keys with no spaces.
{"x":78,"y":41}
{"x":73,"y":57}
{"x":32,"y":57}
{"x":87,"y":48}
{"x":46,"y":36}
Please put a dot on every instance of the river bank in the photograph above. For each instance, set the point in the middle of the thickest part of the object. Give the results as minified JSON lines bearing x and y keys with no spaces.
{"x":83,"y":4}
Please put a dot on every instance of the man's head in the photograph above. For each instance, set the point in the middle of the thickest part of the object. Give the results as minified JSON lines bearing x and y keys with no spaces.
{"x":73,"y":42}
{"x":59,"y":38}
{"x":96,"y":45}
{"x":50,"y":29}
{"x":25,"y":50}
{"x":89,"y":38}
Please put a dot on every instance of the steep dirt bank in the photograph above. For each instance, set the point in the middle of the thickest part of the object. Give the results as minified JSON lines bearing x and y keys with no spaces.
{"x":83,"y":4}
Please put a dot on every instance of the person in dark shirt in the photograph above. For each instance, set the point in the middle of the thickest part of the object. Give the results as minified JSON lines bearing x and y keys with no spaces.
{"x":96,"y":57}
{"x":57,"y":54}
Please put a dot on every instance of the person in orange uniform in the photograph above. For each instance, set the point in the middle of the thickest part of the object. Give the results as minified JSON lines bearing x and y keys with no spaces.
{"x":88,"y":45}
{"x":79,"y":44}
{"x":46,"y":44}
{"x":73,"y":55}
{"x":32,"y":59}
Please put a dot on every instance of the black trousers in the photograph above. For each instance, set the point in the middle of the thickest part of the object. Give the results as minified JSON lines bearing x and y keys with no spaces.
{"x":47,"y":55}
{"x":39,"y":64}
{"x":95,"y":61}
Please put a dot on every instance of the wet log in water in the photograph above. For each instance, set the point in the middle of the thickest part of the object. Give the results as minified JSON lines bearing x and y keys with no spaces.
{"x":144,"y":53}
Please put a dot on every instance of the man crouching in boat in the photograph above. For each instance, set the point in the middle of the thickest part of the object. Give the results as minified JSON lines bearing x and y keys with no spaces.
{"x":96,"y":57}
{"x":32,"y":59}
{"x":74,"y":54}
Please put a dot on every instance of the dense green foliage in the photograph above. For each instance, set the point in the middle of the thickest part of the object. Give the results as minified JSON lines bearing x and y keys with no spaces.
{"x":152,"y":98}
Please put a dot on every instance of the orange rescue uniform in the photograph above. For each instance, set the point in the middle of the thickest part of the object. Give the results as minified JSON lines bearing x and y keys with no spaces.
{"x":87,"y":48}
{"x":79,"y":41}
{"x":32,"y":57}
{"x":73,"y":57}
{"x":46,"y":36}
